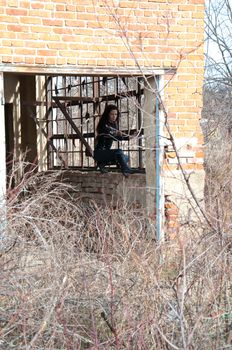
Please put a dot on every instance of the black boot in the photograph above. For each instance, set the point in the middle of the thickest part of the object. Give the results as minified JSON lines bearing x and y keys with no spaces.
{"x":101,"y":167}
{"x":127,"y":171}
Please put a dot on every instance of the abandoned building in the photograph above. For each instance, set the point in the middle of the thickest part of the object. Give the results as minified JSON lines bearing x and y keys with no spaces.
{"x":62,"y":61}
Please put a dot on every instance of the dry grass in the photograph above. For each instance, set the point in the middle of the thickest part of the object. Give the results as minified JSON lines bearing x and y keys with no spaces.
{"x":218,"y":154}
{"x":78,"y":277}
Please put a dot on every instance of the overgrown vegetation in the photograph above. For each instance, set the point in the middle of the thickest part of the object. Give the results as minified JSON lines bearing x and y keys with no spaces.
{"x":78,"y":277}
{"x":217,"y":128}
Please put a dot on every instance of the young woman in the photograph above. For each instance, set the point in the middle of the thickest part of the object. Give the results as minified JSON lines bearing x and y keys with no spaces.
{"x":108,"y":132}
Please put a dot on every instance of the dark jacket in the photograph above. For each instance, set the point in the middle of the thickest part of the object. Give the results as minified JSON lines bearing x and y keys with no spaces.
{"x":107,"y":135}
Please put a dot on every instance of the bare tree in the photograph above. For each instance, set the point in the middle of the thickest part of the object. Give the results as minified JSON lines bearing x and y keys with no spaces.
{"x":217,"y":120}
{"x":219,"y":42}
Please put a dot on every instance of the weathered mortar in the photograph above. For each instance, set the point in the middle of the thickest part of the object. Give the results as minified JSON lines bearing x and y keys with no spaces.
{"x":106,"y":189}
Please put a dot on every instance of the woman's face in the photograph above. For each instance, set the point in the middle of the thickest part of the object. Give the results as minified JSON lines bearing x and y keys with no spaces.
{"x":113,"y":116}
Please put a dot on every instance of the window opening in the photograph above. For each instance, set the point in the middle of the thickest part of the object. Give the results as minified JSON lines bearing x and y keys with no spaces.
{"x":74,"y":106}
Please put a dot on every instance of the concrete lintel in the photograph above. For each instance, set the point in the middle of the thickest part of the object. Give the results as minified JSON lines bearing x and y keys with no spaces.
{"x":84,"y":70}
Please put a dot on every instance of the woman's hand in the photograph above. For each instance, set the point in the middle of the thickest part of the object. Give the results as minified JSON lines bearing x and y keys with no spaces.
{"x":133,"y":134}
{"x":120,"y":133}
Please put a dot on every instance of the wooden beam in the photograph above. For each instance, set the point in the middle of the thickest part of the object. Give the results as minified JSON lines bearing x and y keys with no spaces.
{"x":73,"y":125}
{"x":86,"y":70}
{"x":75,"y":98}
{"x":49,"y":139}
{"x":87,"y":135}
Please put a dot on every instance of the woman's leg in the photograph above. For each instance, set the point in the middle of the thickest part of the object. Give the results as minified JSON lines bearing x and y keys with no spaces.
{"x":122,"y":160}
{"x":115,"y":156}
{"x":104,"y":157}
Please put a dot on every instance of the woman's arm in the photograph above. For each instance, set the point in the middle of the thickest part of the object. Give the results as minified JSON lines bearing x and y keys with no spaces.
{"x":110,"y":132}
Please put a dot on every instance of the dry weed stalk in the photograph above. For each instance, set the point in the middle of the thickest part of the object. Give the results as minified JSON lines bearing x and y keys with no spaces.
{"x":85,"y":277}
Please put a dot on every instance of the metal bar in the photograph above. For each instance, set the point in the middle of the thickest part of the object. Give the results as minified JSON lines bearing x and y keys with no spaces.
{"x":139,"y":124}
{"x":76,"y":98}
{"x":87,"y":111}
{"x":117,"y":101}
{"x":73,"y":125}
{"x":72,"y":145}
{"x":81,"y":109}
{"x":96,"y":105}
{"x":65,"y":124}
{"x":128,"y":121}
{"x":157,"y":162}
{"x":49,"y":118}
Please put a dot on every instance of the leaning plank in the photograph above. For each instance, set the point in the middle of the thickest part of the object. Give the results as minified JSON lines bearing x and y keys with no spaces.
{"x":73,"y":125}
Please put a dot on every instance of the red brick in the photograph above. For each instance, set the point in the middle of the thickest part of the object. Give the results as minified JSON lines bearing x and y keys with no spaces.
{"x":197,"y":2}
{"x":6,"y":34}
{"x":53,"y":22}
{"x":25,"y":4}
{"x":13,"y":3}
{"x":39,"y":60}
{"x":39,"y":13}
{"x":60,"y":7}
{"x":71,"y":61}
{"x":18,"y":59}
{"x":7,"y":59}
{"x":24,"y":51}
{"x":17,"y":28}
{"x":50,"y":61}
{"x":46,"y":53}
{"x":5,"y":51}
{"x":40,"y":29}
{"x":61,"y":61}
{"x":37,"y":5}
{"x":30,"y":60}
{"x":30,"y":20}
{"x":16,"y":12}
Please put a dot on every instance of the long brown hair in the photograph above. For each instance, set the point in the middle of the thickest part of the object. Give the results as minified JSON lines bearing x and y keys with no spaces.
{"x":105,"y":117}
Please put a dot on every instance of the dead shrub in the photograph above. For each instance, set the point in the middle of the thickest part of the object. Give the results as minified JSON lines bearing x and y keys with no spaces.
{"x":86,"y":277}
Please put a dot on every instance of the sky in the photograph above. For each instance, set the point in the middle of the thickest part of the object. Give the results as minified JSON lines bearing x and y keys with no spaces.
{"x":218,"y":23}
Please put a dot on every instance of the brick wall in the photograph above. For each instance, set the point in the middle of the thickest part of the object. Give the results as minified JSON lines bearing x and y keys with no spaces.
{"x":106,"y":189}
{"x":93,"y":33}
{"x":89,"y":35}
{"x":116,"y":191}
{"x":116,"y":36}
